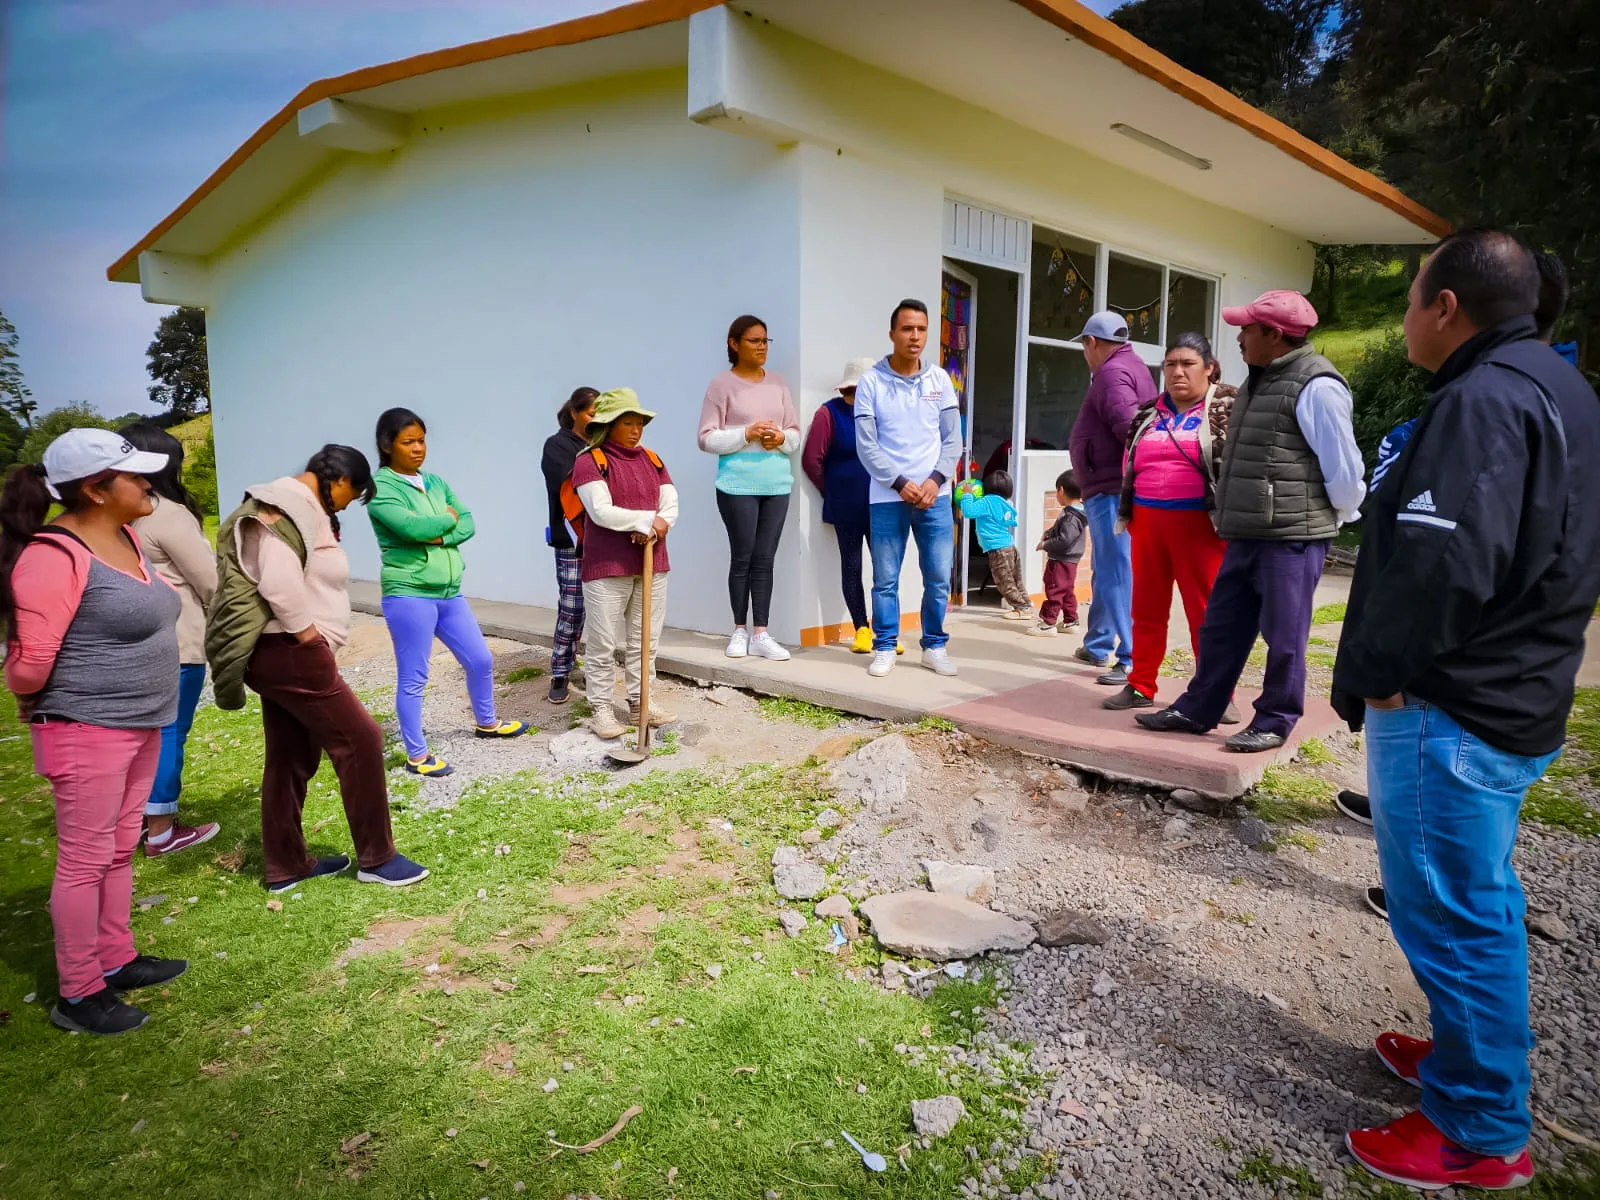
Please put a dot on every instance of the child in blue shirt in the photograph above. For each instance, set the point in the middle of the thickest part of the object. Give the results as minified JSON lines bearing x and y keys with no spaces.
{"x":996,"y":519}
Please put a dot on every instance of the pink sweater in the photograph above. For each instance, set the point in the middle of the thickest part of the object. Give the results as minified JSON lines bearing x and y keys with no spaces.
{"x":299,"y":597}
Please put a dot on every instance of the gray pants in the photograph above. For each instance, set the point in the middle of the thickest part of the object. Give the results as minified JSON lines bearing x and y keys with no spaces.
{"x":613,"y":609}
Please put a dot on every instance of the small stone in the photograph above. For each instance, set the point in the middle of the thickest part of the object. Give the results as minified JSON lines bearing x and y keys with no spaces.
{"x":1176,"y":830}
{"x":1548,"y":925}
{"x":930,"y":925}
{"x":151,"y":901}
{"x":449,"y":1133}
{"x":799,"y":881}
{"x":1194,"y":801}
{"x":1253,"y":831}
{"x":861,"y":1089}
{"x":1068,"y":801}
{"x":793,"y":923}
{"x":714,"y":970}
{"x":811,"y":837}
{"x":829,"y":818}
{"x":834,"y":906}
{"x":138,"y":1125}
{"x":519,"y":1186}
{"x":550,"y":1085}
{"x":1071,"y":928}
{"x":850,"y":927}
{"x":785,"y":856}
{"x":989,"y":831}
{"x":1275,"y":1000}
{"x":960,"y":879}
{"x":566,"y":1066}
{"x":890,"y":974}
{"x":277,"y":905}
{"x":483,"y":893}
{"x":937,"y":1117}
{"x":1104,"y":985}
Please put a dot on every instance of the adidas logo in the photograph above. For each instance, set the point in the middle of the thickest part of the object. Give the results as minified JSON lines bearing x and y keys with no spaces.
{"x":1423,"y":504}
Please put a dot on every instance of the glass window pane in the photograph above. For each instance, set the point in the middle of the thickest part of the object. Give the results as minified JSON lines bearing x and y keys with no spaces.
{"x":1061,"y":288}
{"x":1057,"y":379}
{"x":1191,"y":305}
{"x":1133,"y":288}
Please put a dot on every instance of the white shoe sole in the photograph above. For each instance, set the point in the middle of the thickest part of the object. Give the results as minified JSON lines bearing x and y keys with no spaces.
{"x":878,"y":673}
{"x":781,"y":656}
{"x":948,"y":672}
{"x":368,"y":877}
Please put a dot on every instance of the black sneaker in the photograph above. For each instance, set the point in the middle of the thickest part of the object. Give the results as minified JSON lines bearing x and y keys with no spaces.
{"x":1116,"y":677}
{"x":558,"y":690}
{"x":1128,"y":697}
{"x":1082,"y":655}
{"x":331,"y":865}
{"x":1378,"y":902}
{"x":104,"y":1014}
{"x":1355,"y":806}
{"x":1169,"y":720}
{"x":1254,"y":741}
{"x":145,"y":971}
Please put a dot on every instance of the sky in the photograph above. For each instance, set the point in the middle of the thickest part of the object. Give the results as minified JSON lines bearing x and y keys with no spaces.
{"x":112,"y":111}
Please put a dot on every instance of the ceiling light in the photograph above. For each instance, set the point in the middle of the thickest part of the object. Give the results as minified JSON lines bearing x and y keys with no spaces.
{"x":1167,"y":148}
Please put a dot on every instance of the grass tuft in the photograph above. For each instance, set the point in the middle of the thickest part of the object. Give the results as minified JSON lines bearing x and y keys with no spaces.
{"x":523,"y":674}
{"x":1315,"y":752}
{"x":1561,"y":798}
{"x":666,"y":743}
{"x":1286,"y":795}
{"x":803,"y":712}
{"x":1328,"y":614}
{"x":932,"y":724}
{"x":1295,"y":1181}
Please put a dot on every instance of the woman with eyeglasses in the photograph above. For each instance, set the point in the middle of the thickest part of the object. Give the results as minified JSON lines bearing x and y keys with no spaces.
{"x":750,"y":423}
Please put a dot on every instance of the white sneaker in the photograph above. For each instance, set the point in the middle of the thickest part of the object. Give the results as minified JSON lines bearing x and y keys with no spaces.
{"x":882,"y":663}
{"x":937,"y":660}
{"x":764,"y":645}
{"x":739,"y":643}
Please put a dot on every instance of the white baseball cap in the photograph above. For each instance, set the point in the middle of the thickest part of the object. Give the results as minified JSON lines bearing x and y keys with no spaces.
{"x":1107,"y":326}
{"x":853,"y":371}
{"x":84,"y":453}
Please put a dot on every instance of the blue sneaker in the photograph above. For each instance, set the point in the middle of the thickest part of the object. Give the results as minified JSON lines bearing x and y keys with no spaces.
{"x":399,"y":871}
{"x":331,"y":865}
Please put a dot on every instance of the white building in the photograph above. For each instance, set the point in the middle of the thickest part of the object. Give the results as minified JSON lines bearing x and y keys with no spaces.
{"x":475,"y":232}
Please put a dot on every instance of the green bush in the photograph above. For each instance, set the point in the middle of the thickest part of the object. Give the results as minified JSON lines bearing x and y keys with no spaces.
{"x":53,"y":424}
{"x":200,"y":474}
{"x":1387,"y":390}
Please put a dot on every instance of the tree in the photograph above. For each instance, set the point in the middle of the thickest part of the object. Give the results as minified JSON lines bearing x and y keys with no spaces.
{"x":178,"y":364}
{"x":53,"y":424}
{"x":15,"y":397}
{"x":12,"y":435}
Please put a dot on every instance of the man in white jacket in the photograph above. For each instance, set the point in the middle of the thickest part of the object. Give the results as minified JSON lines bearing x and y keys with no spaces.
{"x":908,"y":436}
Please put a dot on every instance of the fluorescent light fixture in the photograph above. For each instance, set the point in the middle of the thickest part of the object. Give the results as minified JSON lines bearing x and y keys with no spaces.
{"x":1167,"y":148}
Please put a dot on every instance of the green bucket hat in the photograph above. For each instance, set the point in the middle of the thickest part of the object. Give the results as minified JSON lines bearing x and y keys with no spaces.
{"x":609,"y":406}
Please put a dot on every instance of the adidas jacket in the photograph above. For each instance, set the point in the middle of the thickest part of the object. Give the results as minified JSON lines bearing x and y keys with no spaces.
{"x":1480,"y":567}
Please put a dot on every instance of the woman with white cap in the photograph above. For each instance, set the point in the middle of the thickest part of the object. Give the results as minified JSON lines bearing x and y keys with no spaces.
{"x":830,"y":462}
{"x":92,"y":656}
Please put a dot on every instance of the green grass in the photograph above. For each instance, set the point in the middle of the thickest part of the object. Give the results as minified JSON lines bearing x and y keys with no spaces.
{"x":1559,"y":798}
{"x":1304,"y":838}
{"x":1344,"y":347}
{"x":803,"y":712}
{"x":580,"y":712}
{"x":1286,"y":795}
{"x":210,"y":526}
{"x":523,"y":674}
{"x":532,"y":972}
{"x":1328,"y":614}
{"x":932,"y":724}
{"x":1283,"y":1180}
{"x":666,"y":744}
{"x":1315,"y":752}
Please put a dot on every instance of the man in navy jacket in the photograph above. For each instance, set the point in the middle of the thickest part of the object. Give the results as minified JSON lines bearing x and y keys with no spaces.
{"x":1477,"y":580}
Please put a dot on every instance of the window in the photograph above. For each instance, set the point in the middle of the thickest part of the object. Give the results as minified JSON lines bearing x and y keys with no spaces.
{"x":1134,"y":289}
{"x":1061,"y":294}
{"x":1058,"y":377}
{"x":1191,"y":304}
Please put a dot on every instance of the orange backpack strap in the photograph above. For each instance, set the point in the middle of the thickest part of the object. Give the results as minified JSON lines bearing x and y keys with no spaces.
{"x":654,"y":458}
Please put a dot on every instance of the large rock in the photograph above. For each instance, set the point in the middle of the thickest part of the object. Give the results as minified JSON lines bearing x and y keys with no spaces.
{"x":799,"y":881}
{"x":793,"y":923}
{"x":834,"y":906}
{"x":928,"y":925}
{"x":937,"y":1117}
{"x":1071,"y":928}
{"x":878,"y":774}
{"x":577,"y":751}
{"x":960,"y":879}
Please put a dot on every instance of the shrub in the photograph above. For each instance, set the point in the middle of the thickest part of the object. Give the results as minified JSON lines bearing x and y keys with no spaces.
{"x":200,"y":474}
{"x":1387,"y":390}
{"x":53,"y":424}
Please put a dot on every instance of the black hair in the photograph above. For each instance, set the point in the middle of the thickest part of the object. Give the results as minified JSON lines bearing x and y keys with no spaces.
{"x":913,"y":305}
{"x":1198,"y":342}
{"x":1491,"y":271}
{"x":998,"y":484}
{"x":1067,"y":482}
{"x":24,"y":504}
{"x":736,"y":331}
{"x":390,"y":425}
{"x":1554,"y":291}
{"x":167,"y":482}
{"x":333,"y":463}
{"x":581,"y":400}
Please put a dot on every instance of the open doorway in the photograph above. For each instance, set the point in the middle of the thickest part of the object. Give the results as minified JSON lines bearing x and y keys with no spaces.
{"x":978,"y":347}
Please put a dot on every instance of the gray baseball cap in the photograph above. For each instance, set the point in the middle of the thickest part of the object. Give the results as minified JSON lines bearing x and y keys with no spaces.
{"x":1107,"y":326}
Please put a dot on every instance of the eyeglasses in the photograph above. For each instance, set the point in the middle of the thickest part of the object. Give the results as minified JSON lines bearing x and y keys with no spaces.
{"x":757,"y":341}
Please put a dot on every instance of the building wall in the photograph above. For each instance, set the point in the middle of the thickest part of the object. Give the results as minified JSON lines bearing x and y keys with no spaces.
{"x":504,"y":256}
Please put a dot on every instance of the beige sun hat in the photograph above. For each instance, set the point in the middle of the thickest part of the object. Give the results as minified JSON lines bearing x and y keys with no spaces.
{"x":853,"y":371}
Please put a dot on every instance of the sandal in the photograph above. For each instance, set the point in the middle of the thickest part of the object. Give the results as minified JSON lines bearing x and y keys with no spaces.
{"x":432,"y":767}
{"x":506,"y":729}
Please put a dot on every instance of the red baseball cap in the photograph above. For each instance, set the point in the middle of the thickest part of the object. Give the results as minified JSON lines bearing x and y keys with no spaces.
{"x":1289,"y":311}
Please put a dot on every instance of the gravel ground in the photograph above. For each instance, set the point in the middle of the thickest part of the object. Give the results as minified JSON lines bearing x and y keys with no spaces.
{"x":1226,"y":1022}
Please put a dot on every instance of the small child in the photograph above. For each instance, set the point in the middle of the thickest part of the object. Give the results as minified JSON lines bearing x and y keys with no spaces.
{"x":996,"y":519}
{"x":629,"y":503}
{"x":1064,"y":544}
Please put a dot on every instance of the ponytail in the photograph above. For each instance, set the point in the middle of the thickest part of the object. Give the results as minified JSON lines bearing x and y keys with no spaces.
{"x":24,"y":504}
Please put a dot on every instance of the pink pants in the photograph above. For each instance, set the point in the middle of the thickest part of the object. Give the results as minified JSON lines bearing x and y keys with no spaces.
{"x":101,"y":779}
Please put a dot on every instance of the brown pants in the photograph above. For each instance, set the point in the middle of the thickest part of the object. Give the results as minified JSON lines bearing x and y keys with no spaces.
{"x":1005,"y":566}
{"x":306,"y":708}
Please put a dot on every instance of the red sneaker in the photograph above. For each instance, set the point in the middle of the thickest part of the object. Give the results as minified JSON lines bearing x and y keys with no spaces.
{"x":1413,"y":1152}
{"x":1403,"y":1055}
{"x":183,"y":836}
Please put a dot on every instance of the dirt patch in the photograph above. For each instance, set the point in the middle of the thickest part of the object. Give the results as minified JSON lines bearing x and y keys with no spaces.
{"x":570,"y":895}
{"x":388,"y":935}
{"x":642,"y":920}
{"x":500,"y":1058}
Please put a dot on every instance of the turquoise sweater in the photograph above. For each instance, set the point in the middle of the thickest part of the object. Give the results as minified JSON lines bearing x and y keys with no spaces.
{"x":996,"y":518}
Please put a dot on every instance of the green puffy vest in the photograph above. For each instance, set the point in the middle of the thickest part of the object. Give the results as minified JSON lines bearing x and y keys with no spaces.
{"x":1271,"y":483}
{"x":237,"y":613}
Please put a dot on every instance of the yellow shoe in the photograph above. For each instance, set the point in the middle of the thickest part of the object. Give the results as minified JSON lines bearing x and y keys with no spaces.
{"x":863,"y":641}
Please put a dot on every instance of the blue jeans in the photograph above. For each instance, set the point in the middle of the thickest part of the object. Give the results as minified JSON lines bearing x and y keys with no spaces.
{"x":1445,"y":805}
{"x":934,"y":530}
{"x":414,"y":621}
{"x":163,"y":800}
{"x":1111,"y":559}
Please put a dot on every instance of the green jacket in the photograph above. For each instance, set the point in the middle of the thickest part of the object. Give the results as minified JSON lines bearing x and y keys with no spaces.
{"x":405,"y":520}
{"x":237,"y":614}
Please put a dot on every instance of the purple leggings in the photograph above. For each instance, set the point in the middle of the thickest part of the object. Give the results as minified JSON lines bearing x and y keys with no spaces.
{"x":414,"y":621}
